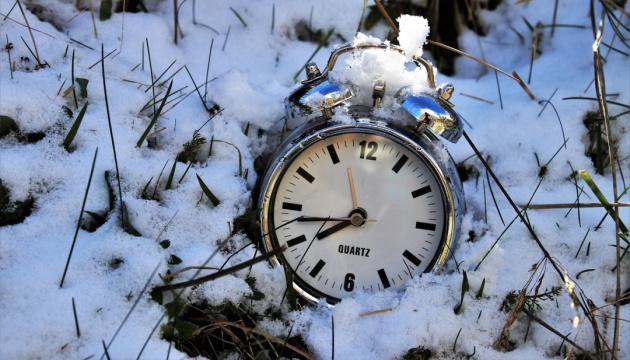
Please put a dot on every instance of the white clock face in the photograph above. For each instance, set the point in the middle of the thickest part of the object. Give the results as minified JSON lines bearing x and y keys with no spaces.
{"x":370,"y":214}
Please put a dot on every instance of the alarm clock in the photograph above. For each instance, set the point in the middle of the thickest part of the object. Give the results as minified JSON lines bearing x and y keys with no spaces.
{"x":362,"y":201}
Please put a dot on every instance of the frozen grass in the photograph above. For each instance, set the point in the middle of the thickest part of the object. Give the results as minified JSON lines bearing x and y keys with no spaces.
{"x":546,"y":202}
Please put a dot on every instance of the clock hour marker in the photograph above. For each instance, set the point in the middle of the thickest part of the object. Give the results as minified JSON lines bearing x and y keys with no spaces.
{"x":305,"y":174}
{"x":408,"y":255}
{"x":384,"y":280}
{"x":333,"y":153}
{"x":291,"y":206}
{"x":298,"y":240}
{"x":400,"y":163}
{"x":425,"y":226}
{"x":318,"y":267}
{"x":422,"y":191}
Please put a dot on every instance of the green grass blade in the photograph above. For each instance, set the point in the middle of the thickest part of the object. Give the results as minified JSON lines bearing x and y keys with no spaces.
{"x":365,"y":2}
{"x":7,"y":125}
{"x":157,"y":182}
{"x":602,"y":199}
{"x":207,"y":192}
{"x":127,"y":227}
{"x":155,"y":117}
{"x":76,"y":232}
{"x":133,"y":307}
{"x":185,"y":172}
{"x":169,"y":181}
{"x":9,"y":54}
{"x":144,"y":190}
{"x":74,"y":91}
{"x":29,"y":49}
{"x":211,"y":143}
{"x":106,"y":354}
{"x":239,"y":17}
{"x":83,"y":83}
{"x":480,"y":292}
{"x":111,"y":197}
{"x":619,"y":197}
{"x":273,"y":17}
{"x":319,"y":47}
{"x":290,"y":292}
{"x":76,"y":319}
{"x":240,"y":158}
{"x":111,"y":135}
{"x":105,"y":11}
{"x":465,"y":288}
{"x":96,"y":216}
{"x":75,"y":128}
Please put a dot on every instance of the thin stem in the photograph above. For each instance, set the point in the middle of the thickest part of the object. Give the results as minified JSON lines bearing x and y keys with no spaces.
{"x":135,"y":303}
{"x":111,"y":135}
{"x":570,"y":206}
{"x":76,"y":319}
{"x":564,"y":338}
{"x":218,"y":274}
{"x":28,"y":26}
{"x":563,"y":275}
{"x":600,"y":89}
{"x":76,"y":232}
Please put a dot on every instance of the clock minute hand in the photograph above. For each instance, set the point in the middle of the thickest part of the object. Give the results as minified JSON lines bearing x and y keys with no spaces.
{"x":333,"y":229}
{"x":306,"y":218}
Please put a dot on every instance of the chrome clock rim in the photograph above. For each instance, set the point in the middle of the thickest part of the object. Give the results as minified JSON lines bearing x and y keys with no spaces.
{"x":443,"y":171}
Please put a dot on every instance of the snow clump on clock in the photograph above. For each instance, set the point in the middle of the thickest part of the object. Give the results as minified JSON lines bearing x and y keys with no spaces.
{"x":413,"y":33}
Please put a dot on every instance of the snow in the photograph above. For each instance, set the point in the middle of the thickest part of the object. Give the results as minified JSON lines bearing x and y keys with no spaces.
{"x":251,"y":71}
{"x":414,"y":31}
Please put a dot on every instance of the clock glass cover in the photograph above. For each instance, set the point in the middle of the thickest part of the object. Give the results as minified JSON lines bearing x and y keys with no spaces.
{"x":359,"y":207}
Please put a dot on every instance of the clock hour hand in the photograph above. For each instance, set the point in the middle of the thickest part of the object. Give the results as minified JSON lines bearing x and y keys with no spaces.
{"x":306,"y":218}
{"x":333,"y":229}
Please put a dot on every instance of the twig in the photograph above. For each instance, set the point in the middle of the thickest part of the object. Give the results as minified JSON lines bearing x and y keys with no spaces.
{"x":144,"y":288}
{"x":477,"y":98}
{"x":218,"y":274}
{"x":377,"y":311}
{"x":30,"y":33}
{"x":570,"y":206}
{"x":548,"y":327}
{"x":547,"y":255}
{"x":383,"y":12}
{"x":93,"y":21}
{"x":256,"y":331}
{"x":6,"y":17}
{"x":600,"y":89}
{"x":514,"y":75}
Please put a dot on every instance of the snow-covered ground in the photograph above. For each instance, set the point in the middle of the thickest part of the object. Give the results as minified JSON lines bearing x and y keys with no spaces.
{"x":255,"y":56}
